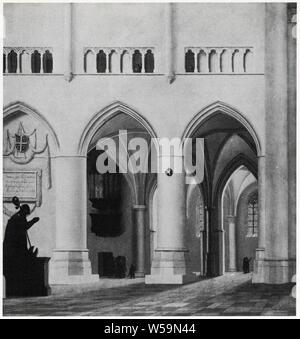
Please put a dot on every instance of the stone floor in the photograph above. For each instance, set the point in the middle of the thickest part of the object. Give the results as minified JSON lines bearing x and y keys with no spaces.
{"x":229,"y":295}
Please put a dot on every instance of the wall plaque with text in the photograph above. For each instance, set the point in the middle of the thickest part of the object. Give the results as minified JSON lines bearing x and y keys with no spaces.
{"x":26,"y":185}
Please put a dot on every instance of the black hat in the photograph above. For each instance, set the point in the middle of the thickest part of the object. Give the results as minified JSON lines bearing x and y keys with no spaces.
{"x":25,"y":208}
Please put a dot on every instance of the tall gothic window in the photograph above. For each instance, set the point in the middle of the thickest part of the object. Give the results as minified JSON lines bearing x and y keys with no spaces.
{"x":200,"y":217}
{"x":253,"y":216}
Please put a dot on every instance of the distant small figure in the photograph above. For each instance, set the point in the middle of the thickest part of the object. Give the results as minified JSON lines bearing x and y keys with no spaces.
{"x":246,"y":265}
{"x":132,"y":271}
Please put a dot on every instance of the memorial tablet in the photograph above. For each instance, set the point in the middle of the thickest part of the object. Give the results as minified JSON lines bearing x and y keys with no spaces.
{"x":24,"y":184}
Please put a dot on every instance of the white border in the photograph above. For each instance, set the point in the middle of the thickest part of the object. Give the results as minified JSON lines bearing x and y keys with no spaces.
{"x":1,"y":150}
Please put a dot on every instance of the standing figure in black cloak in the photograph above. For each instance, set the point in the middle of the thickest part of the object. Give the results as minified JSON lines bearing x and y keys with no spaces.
{"x":246,"y":265}
{"x":16,"y":256}
{"x":132,"y":270}
{"x":121,"y":267}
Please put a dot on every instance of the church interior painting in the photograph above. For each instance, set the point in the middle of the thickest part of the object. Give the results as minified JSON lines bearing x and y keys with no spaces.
{"x":84,"y":72}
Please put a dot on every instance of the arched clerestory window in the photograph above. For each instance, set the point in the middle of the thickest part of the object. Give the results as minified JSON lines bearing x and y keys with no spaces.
{"x":4,"y":63}
{"x":101,"y":62}
{"x":89,"y":62}
{"x":126,"y":66}
{"x":12,"y":62}
{"x":137,"y":62}
{"x":248,"y":61}
{"x":202,"y":62}
{"x":47,"y":62}
{"x":213,"y":62}
{"x":36,"y":62}
{"x":149,"y":62}
{"x":189,"y":61}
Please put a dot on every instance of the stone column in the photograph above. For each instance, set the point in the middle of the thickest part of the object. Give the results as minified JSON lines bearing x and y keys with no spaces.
{"x":206,"y":239}
{"x":139,"y":222}
{"x":292,"y":132}
{"x":219,"y":238}
{"x":262,"y":202}
{"x":201,"y":241}
{"x":232,"y":243}
{"x":274,"y":266}
{"x":170,"y":264}
{"x":70,"y":263}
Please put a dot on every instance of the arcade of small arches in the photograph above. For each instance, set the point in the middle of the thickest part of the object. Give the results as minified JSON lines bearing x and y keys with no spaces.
{"x":219,"y":60}
{"x":119,"y":60}
{"x":27,"y":60}
{"x":172,"y":232}
{"x":131,"y":60}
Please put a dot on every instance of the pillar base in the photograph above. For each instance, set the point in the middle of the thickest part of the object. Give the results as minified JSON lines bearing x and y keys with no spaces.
{"x":272,"y":271}
{"x":71,"y":267}
{"x":178,"y":279}
{"x":170,"y":267}
{"x":140,"y":274}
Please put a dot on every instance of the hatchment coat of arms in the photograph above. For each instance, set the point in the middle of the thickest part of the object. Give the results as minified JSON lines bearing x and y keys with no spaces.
{"x":21,"y":147}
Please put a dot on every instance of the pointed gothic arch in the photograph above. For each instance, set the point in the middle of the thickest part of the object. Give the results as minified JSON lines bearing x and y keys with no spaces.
{"x":216,"y":108}
{"x":238,"y":161}
{"x":106,"y":114}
